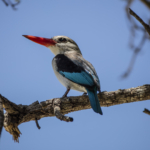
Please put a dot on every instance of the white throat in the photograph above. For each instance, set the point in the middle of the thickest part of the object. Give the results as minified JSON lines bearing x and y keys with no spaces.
{"x":54,"y":49}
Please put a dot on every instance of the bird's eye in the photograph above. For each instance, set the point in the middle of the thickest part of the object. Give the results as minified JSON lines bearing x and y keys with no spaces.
{"x":62,"y":40}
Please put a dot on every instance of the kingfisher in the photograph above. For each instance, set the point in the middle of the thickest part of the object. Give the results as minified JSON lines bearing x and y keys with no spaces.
{"x":71,"y":69}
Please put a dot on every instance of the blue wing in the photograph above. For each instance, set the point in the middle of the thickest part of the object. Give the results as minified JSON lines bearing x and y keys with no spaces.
{"x":78,"y":60}
{"x":90,"y":70}
{"x":82,"y":78}
{"x":73,"y":72}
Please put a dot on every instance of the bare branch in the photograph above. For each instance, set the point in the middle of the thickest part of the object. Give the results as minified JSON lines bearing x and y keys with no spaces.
{"x":134,"y":28}
{"x":129,"y":2}
{"x":5,"y":2}
{"x":136,"y":52}
{"x":17,"y":114}
{"x":146,"y":26}
{"x":13,"y":5}
{"x":37,"y":124}
{"x":146,"y":2}
{"x":146,"y":111}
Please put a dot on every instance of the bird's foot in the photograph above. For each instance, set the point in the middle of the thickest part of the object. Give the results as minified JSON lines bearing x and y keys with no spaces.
{"x":65,"y":95}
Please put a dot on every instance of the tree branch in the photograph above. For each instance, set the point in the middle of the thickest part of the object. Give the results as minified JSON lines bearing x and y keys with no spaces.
{"x":13,"y":5}
{"x":17,"y":114}
{"x":37,"y":124}
{"x":134,"y":56}
{"x":146,"y":111}
{"x":146,"y":26}
{"x":146,"y":2}
{"x":134,"y":28}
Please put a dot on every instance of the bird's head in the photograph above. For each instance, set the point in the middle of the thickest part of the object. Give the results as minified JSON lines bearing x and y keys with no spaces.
{"x":57,"y":44}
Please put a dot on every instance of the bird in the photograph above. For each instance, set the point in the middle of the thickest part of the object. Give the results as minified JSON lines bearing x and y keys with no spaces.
{"x":71,"y":69}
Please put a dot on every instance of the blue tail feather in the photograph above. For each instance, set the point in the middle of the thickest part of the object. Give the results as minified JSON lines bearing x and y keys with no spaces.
{"x":94,"y":100}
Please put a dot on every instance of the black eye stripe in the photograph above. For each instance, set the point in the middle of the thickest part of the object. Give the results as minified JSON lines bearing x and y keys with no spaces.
{"x":62,"y":40}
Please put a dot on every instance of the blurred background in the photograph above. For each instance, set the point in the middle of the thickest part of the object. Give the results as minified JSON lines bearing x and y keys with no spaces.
{"x":109,"y":38}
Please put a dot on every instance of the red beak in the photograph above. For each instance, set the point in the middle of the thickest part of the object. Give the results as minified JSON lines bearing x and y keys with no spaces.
{"x":43,"y":41}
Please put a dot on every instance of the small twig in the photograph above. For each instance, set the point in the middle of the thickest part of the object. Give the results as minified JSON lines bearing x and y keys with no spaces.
{"x":11,"y":4}
{"x":56,"y":106}
{"x":146,"y":26}
{"x":60,"y":116}
{"x":146,"y":111}
{"x":37,"y":124}
{"x":136,"y":51}
{"x":147,"y":3}
{"x":129,"y":2}
{"x":134,"y":27}
{"x":5,"y":2}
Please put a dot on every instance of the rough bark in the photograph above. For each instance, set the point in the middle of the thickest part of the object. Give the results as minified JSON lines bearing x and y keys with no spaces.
{"x":17,"y":114}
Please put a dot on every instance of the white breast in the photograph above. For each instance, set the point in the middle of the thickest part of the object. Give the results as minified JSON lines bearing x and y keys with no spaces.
{"x":65,"y":82}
